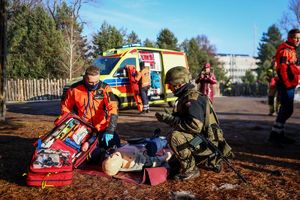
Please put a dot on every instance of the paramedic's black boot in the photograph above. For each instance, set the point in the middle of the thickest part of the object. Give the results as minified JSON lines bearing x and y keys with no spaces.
{"x":285,"y":140}
{"x":142,"y":112}
{"x":188,"y":175}
{"x":148,"y":110}
{"x":274,"y":138}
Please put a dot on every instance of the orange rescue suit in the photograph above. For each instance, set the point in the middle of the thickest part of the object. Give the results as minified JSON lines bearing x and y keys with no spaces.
{"x":286,"y":59}
{"x":144,"y":76}
{"x":99,"y":107}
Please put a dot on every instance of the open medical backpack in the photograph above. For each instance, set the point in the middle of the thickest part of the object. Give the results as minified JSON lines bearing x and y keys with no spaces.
{"x":58,"y":152}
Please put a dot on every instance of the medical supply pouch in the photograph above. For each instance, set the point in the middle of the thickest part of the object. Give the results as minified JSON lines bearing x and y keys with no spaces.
{"x":50,"y":168}
{"x":73,"y":131}
{"x":58,"y":152}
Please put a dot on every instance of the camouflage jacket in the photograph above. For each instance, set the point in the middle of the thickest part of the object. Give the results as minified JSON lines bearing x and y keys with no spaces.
{"x":190,"y":110}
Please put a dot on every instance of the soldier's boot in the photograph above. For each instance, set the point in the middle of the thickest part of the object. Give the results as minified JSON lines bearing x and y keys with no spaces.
{"x":274,"y":138}
{"x":188,"y":175}
{"x":218,"y":168}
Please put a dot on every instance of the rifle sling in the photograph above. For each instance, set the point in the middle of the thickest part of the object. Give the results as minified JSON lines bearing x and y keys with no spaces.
{"x":192,"y":143}
{"x":197,"y":139}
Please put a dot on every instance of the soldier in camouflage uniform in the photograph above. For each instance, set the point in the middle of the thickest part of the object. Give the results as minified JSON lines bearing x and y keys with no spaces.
{"x":188,"y":120}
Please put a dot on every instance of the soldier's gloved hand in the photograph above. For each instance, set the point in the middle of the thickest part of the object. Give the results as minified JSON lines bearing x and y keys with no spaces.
{"x":167,"y":118}
{"x":162,"y":116}
{"x":106,"y":137}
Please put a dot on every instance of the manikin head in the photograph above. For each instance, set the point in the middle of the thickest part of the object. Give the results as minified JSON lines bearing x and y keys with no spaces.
{"x":112,"y":164}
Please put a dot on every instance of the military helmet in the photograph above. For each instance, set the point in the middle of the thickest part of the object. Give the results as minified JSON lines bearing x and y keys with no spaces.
{"x":177,"y":75}
{"x":112,"y":164}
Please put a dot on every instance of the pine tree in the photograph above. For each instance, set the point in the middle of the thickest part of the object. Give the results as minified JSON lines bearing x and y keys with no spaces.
{"x":107,"y":38}
{"x":149,"y":43}
{"x":133,"y":38}
{"x":32,"y":44}
{"x":167,"y":40}
{"x":267,"y":50}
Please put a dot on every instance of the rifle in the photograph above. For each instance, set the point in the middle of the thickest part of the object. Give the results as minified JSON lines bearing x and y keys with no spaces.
{"x":216,"y":152}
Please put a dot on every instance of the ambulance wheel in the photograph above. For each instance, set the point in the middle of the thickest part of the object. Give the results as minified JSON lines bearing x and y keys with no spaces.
{"x":171,"y":104}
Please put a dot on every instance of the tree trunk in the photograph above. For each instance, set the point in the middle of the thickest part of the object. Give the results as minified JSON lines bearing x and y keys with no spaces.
{"x":71,"y":47}
{"x":3,"y":20}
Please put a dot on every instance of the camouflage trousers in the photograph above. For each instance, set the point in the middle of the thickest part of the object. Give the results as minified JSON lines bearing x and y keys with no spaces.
{"x":188,"y":157}
{"x":191,"y":156}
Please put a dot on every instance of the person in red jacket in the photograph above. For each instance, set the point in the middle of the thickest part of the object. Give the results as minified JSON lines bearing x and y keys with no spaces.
{"x":206,"y":79}
{"x":288,"y":73}
{"x":143,"y":78}
{"x":94,"y":101}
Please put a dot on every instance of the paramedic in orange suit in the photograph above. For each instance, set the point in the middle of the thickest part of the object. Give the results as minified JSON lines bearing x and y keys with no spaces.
{"x":94,"y":101}
{"x":143,"y":77}
{"x":288,"y":74}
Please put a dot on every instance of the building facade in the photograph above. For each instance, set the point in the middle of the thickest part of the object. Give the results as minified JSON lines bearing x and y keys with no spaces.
{"x":236,"y":65}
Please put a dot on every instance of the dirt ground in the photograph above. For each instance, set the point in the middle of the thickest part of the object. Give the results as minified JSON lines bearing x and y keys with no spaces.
{"x":272,"y":172}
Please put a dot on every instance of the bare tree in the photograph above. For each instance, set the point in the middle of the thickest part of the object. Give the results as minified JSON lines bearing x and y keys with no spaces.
{"x":205,"y":44}
{"x":291,"y":18}
{"x":73,"y":57}
{"x":3,"y":52}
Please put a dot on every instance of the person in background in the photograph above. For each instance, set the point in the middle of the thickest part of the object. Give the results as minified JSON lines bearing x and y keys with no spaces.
{"x":206,"y":79}
{"x":288,"y":74}
{"x":94,"y":101}
{"x":272,"y":79}
{"x":143,"y":77}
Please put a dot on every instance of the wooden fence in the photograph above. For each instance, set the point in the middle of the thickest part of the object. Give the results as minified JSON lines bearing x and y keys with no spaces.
{"x":34,"y":89}
{"x":49,"y":89}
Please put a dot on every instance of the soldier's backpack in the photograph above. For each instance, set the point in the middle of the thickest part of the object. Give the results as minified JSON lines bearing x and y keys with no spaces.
{"x":213,"y":133}
{"x":58,"y":152}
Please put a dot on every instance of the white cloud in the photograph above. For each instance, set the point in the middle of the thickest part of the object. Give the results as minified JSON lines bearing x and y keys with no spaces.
{"x":97,"y":16}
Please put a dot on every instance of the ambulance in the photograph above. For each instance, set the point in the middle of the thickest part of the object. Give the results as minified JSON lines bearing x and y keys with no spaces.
{"x":112,"y":65}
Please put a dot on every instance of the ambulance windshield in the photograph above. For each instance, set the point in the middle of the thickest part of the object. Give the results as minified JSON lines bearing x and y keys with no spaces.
{"x":106,"y":64}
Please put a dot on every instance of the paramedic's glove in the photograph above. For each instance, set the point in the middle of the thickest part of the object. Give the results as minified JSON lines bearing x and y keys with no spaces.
{"x":107,"y":137}
{"x":167,"y":118}
{"x":290,"y":93}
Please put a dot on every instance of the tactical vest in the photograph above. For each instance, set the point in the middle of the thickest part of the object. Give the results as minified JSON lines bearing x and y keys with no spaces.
{"x":212,"y":131}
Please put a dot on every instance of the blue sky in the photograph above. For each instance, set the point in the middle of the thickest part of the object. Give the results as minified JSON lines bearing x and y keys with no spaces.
{"x":233,"y":26}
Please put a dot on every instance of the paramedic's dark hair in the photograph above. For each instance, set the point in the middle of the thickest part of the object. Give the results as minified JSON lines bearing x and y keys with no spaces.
{"x":142,"y":64}
{"x":92,"y":71}
{"x":293,"y":32}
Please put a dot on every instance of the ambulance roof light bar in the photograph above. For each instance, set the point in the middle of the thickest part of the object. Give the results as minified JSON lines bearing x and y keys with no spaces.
{"x":129,"y":45}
